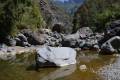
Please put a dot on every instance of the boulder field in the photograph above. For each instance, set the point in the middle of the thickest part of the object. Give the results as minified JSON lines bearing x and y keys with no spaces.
{"x":84,"y":39}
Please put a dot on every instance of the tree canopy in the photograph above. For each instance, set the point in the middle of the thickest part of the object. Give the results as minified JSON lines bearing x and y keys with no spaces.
{"x":96,"y":14}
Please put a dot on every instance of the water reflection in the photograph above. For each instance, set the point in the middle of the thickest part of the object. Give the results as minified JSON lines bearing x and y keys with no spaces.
{"x":61,"y":72}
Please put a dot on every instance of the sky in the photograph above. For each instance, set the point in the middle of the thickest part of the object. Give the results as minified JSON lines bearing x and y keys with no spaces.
{"x":62,"y":0}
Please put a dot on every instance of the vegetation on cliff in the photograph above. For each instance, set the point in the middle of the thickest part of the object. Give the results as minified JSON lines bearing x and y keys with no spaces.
{"x":96,"y":14}
{"x":19,"y":14}
{"x":16,"y":15}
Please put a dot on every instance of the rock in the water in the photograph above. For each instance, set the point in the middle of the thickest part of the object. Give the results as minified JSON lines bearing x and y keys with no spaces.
{"x":83,"y":67}
{"x":60,"y":56}
{"x":112,"y":45}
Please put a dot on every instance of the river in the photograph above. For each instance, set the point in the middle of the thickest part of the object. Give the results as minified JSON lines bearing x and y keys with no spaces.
{"x":97,"y":68}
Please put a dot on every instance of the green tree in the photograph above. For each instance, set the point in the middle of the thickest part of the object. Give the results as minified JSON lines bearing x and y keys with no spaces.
{"x":19,"y":14}
{"x":96,"y":13}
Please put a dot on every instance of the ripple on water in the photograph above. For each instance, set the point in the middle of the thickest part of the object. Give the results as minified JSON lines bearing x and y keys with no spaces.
{"x":111,"y":71}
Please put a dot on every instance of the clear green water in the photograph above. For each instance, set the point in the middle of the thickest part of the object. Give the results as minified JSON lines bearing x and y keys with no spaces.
{"x":23,"y":68}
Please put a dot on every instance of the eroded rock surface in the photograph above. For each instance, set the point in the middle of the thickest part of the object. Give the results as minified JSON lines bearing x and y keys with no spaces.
{"x":60,"y":56}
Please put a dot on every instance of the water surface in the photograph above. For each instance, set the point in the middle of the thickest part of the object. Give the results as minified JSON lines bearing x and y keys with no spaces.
{"x":23,"y":68}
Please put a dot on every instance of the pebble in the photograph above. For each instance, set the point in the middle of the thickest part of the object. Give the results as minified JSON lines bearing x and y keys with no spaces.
{"x":83,"y":67}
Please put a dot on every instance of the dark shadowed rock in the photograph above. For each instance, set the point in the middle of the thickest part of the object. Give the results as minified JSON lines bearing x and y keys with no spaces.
{"x":112,"y":45}
{"x":81,"y":43}
{"x":113,"y":29}
{"x":10,"y":41}
{"x":22,"y":37}
{"x":58,"y":28}
{"x":43,"y":37}
{"x":99,"y":36}
{"x":21,"y":40}
{"x":34,"y":38}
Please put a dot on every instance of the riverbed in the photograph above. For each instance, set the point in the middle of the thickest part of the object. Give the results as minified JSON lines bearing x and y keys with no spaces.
{"x":23,"y":68}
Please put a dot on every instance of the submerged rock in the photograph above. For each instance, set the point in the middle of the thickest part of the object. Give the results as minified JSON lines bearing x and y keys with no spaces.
{"x":60,"y":56}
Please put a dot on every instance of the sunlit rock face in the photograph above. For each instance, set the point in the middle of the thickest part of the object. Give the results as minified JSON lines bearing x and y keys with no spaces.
{"x":60,"y":56}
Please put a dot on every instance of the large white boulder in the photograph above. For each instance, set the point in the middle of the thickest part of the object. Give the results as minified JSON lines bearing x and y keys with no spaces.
{"x":60,"y":56}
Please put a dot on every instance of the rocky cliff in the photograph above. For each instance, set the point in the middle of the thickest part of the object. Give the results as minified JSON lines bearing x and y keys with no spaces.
{"x":55,"y":15}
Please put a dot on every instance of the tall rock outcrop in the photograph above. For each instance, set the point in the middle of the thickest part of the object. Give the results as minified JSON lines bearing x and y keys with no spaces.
{"x":54,"y":15}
